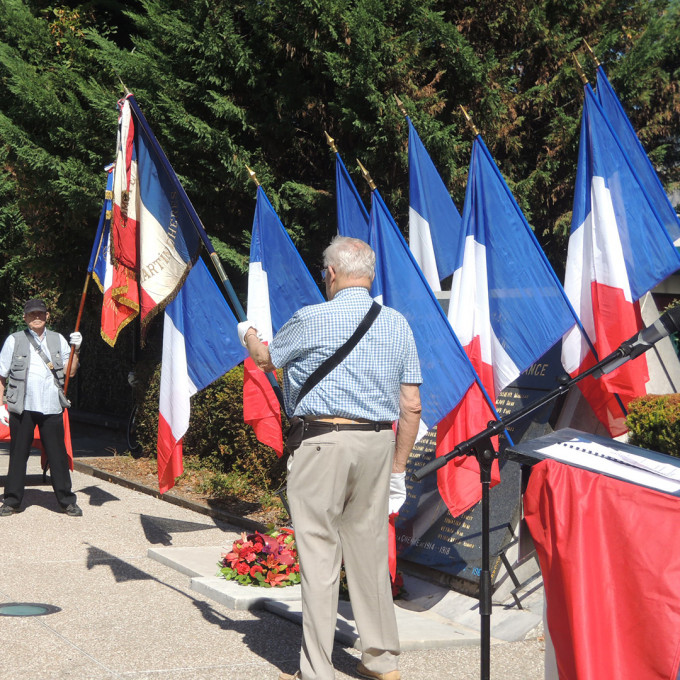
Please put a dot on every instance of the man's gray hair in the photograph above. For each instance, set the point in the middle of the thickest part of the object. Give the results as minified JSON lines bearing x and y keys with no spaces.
{"x":350,"y":257}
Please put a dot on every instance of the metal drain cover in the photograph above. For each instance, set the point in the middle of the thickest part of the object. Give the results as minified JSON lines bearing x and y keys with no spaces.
{"x":27,"y":609}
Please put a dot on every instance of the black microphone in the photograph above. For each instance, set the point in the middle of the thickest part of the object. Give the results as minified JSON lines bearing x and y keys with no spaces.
{"x":667,"y":323}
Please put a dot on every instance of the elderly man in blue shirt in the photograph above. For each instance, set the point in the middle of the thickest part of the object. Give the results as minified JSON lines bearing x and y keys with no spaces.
{"x":32,"y":367}
{"x":348,"y":473}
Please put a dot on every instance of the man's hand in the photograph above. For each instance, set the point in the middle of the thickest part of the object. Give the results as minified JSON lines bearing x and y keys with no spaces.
{"x":397,"y":491}
{"x":4,"y":415}
{"x":243,"y":329}
{"x":76,"y":340}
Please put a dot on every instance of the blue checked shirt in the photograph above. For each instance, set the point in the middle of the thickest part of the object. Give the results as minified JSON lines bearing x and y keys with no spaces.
{"x":367,"y":383}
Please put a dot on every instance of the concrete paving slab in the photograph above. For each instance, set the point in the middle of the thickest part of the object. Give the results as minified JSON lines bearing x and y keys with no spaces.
{"x":235,"y":596}
{"x":200,"y":561}
{"x":416,"y":630}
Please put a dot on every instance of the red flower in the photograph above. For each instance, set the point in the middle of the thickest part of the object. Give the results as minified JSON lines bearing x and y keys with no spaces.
{"x":271,"y":562}
{"x":255,"y":569}
{"x":286,"y":557}
{"x":249,"y":556}
{"x":242,"y":568}
{"x":274,"y":579}
{"x":231,"y":558}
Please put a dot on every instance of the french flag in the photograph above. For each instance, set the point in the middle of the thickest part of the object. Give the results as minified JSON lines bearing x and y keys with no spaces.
{"x":119,"y":288}
{"x":279,"y":284}
{"x":618,"y":250}
{"x":200,"y":344}
{"x":636,"y":155}
{"x":507,"y":306}
{"x":434,"y":221}
{"x":154,"y":234}
{"x":451,"y":394}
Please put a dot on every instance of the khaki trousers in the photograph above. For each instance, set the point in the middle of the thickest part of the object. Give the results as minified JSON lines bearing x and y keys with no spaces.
{"x":338,"y":491}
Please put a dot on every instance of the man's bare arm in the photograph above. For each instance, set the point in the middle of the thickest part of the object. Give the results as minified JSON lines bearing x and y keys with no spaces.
{"x":259,"y":352}
{"x":409,"y":421}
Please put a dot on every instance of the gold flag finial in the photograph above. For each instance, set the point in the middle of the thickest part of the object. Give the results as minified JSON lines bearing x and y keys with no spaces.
{"x":366,"y":176}
{"x":468,"y":120}
{"x":123,"y":85}
{"x":400,"y":105}
{"x":331,"y":142}
{"x":579,"y":70}
{"x":253,"y":176}
{"x":591,"y":53}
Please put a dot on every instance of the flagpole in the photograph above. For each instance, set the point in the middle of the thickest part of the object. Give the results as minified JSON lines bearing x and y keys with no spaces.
{"x":96,"y":247}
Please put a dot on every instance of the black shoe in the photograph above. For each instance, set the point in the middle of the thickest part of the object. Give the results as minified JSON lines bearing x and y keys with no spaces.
{"x":7,"y":510}
{"x":73,"y":510}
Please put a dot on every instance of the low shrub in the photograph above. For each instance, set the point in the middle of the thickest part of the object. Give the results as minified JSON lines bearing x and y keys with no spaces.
{"x":654,"y":423}
{"x":217,"y":433}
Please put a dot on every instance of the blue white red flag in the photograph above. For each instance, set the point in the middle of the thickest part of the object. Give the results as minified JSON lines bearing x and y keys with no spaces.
{"x":279,"y":284}
{"x":507,"y":306}
{"x":451,"y":394}
{"x":637,"y":156}
{"x":352,"y":215}
{"x":119,"y":289}
{"x":153,"y":228}
{"x":434,"y":221}
{"x":200,"y":344}
{"x":618,"y":250}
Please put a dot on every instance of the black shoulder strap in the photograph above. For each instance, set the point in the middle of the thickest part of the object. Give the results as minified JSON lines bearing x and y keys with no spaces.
{"x":329,"y":364}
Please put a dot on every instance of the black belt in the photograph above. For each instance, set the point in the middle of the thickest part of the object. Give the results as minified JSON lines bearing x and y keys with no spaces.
{"x":313,"y":427}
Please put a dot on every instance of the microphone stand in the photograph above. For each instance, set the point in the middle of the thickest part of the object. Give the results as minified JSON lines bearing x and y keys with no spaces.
{"x":481,"y":446}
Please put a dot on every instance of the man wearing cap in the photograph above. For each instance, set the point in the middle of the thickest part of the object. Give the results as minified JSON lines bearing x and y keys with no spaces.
{"x":32,"y":367}
{"x":348,"y":472}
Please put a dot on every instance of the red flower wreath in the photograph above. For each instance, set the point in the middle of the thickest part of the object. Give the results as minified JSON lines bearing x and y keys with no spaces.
{"x":269,"y":560}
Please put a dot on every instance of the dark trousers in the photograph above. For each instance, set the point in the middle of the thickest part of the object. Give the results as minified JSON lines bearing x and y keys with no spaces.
{"x":51,"y":429}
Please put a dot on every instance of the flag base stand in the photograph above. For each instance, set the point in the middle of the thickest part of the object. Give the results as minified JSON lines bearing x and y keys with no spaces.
{"x":485,"y":454}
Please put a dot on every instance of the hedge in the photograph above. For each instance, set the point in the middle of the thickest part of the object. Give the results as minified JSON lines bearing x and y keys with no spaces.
{"x":654,"y":423}
{"x":217,"y":433}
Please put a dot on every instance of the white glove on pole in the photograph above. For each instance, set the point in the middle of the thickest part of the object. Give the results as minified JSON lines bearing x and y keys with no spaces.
{"x":76,"y":340}
{"x":4,"y":415}
{"x":243,"y":328}
{"x":397,"y":491}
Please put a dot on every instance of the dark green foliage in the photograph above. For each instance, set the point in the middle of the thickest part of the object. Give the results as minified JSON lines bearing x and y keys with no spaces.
{"x":223,"y":84}
{"x":217,"y":433}
{"x":654,"y":423}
